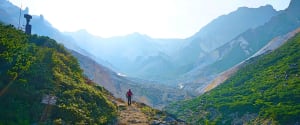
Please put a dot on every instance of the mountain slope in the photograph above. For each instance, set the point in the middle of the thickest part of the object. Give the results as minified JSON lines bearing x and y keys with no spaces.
{"x":32,"y":67}
{"x":271,"y":46}
{"x":265,"y":90}
{"x":243,"y":46}
{"x":10,"y":15}
{"x":229,"y":26}
{"x":249,"y":42}
{"x":220,"y":31}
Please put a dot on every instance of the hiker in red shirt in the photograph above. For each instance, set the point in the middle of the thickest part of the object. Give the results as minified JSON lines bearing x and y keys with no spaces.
{"x":128,"y":95}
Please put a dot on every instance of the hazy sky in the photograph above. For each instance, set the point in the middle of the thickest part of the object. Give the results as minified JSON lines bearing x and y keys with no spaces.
{"x":155,"y":18}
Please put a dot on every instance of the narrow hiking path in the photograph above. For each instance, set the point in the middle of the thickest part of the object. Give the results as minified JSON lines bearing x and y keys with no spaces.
{"x":131,"y":115}
{"x":141,"y":114}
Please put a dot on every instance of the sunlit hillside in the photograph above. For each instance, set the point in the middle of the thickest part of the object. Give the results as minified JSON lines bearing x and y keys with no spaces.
{"x":33,"y":67}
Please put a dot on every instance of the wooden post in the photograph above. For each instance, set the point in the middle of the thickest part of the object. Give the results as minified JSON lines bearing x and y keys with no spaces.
{"x":49,"y":101}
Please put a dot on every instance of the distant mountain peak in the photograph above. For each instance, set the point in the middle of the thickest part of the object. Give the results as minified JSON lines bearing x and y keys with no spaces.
{"x":266,"y":7}
{"x":229,"y":25}
{"x":83,"y":31}
{"x":137,"y":34}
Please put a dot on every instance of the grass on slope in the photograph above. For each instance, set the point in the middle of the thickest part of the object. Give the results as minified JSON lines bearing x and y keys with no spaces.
{"x":34,"y":66}
{"x":266,"y":90}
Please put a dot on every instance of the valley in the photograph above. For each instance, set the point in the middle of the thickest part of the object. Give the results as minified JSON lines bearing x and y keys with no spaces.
{"x":241,"y":68}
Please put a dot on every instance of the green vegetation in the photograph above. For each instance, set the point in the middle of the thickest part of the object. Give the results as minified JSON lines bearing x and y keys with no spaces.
{"x":151,"y":113}
{"x":155,"y":114}
{"x":33,"y":66}
{"x":266,"y":90}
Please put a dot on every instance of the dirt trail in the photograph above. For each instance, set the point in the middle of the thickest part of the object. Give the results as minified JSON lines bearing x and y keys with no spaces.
{"x":141,"y":114}
{"x":130,"y":115}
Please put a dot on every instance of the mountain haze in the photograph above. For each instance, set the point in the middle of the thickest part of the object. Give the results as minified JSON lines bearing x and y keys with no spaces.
{"x":140,"y":56}
{"x":135,"y":55}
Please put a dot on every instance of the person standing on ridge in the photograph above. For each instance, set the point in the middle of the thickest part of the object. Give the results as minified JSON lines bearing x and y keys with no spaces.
{"x":128,"y":95}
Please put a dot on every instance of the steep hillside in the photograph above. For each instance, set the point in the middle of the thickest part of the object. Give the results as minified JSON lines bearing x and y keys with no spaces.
{"x":249,"y":42}
{"x":127,"y":53}
{"x":265,"y":90}
{"x":243,"y":46}
{"x":271,"y":46}
{"x":34,"y":67}
{"x":229,"y":26}
{"x":222,"y":30}
{"x":9,"y":14}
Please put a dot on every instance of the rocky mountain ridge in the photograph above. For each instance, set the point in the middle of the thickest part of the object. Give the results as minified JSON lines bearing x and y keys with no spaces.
{"x":240,"y":48}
